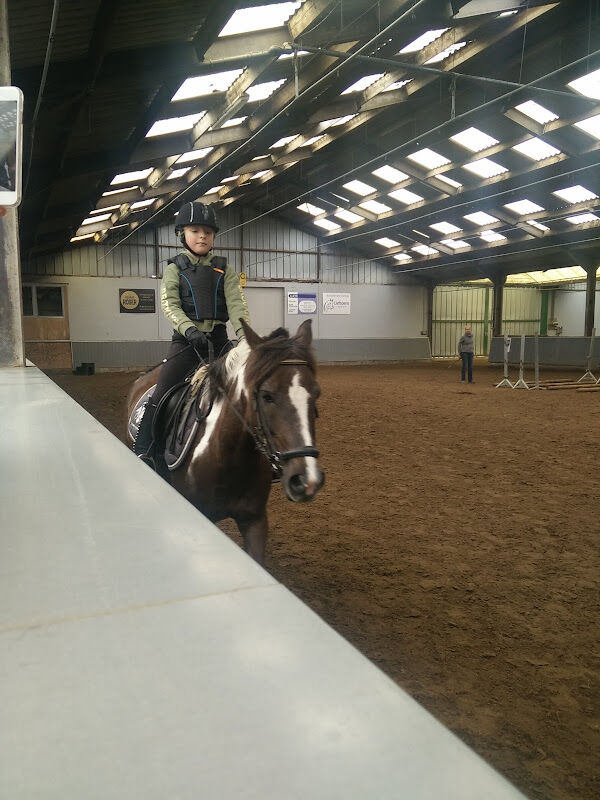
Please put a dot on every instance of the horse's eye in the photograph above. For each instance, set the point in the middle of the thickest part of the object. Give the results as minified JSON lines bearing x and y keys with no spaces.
{"x":268,"y":397}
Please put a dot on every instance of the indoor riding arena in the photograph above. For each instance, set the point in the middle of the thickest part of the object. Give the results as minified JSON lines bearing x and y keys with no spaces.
{"x":404,"y":199}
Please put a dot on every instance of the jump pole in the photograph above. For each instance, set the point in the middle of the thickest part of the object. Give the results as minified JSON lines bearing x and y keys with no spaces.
{"x":589,"y":376}
{"x":505,"y":383}
{"x":520,"y":384}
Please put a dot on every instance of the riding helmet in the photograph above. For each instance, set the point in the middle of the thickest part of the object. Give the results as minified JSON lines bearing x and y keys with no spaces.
{"x":196,"y":214}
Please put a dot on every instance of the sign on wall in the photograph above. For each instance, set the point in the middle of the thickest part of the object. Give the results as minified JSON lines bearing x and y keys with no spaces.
{"x":298,"y":303}
{"x":137,"y":301}
{"x":336,"y":302}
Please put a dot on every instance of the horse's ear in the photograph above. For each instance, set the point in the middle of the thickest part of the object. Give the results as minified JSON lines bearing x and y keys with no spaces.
{"x":304,"y":333}
{"x":252,"y":337}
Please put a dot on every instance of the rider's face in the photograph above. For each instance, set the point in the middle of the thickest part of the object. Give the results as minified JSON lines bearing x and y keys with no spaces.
{"x":199,"y":238}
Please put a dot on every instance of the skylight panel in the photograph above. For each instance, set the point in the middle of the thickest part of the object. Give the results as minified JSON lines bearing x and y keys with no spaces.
{"x":119,"y":191}
{"x":523,"y":207}
{"x":298,"y":53}
{"x":363,"y":83}
{"x":348,"y":216}
{"x":453,"y":48}
{"x":174,"y":124}
{"x":230,"y":123}
{"x":201,"y":85}
{"x":575,"y":194}
{"x":374,"y":207}
{"x":259,"y":18}
{"x":445,"y":227}
{"x":260,"y":91}
{"x":428,"y":158}
{"x":491,"y":236}
{"x":259,"y":174}
{"x":328,"y":224}
{"x":474,"y":139}
{"x":230,"y":179}
{"x":385,"y":241}
{"x":449,"y":181}
{"x":404,"y":196}
{"x":535,"y":224}
{"x":591,"y":126}
{"x":103,"y":210}
{"x":310,"y":209}
{"x":283,"y":141}
{"x":455,"y":244}
{"x":536,"y":149}
{"x":358,"y":187}
{"x":140,"y":204}
{"x":423,"y":40}
{"x":97,"y":218}
{"x":481,"y":218}
{"x":508,"y":13}
{"x":83,"y":236}
{"x":424,"y":250}
{"x":194,"y":155}
{"x":313,"y":140}
{"x":485,"y":168}
{"x":537,"y":112}
{"x":333,"y":123}
{"x":580,"y":219}
{"x":390,"y":174}
{"x":588,"y":85}
{"x":402,"y":257}
{"x":397,"y":85}
{"x":126,"y":177}
{"x":177,"y":173}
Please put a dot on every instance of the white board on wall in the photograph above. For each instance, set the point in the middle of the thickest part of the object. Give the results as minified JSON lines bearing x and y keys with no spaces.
{"x":266,"y":306}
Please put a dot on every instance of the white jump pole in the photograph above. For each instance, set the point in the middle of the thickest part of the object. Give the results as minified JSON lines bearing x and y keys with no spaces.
{"x":520,"y":384}
{"x":589,"y":376}
{"x":505,"y":383}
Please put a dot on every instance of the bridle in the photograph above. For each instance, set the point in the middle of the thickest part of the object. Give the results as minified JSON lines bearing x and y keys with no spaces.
{"x":262,"y":433}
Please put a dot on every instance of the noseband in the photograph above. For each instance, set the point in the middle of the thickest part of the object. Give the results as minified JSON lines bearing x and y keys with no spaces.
{"x":263,"y":435}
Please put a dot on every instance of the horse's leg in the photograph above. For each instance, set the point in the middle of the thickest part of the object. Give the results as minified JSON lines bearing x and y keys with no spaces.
{"x":254,"y":531}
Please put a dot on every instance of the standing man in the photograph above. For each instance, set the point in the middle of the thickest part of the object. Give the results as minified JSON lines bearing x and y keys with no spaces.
{"x":466,"y":352}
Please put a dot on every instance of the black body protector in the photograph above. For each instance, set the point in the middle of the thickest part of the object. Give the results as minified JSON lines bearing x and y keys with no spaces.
{"x":201,"y":288}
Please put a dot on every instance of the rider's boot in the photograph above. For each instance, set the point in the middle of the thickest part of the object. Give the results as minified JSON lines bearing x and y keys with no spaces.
{"x":143,"y":446}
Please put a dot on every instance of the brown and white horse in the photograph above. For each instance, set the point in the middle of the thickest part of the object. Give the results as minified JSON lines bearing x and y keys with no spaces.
{"x":261,"y":423}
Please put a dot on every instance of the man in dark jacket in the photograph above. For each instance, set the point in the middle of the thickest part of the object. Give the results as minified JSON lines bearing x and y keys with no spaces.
{"x":466,"y":352}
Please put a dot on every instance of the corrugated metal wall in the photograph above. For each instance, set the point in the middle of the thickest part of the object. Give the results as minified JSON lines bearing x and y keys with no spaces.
{"x":455,"y":306}
{"x":265,"y":249}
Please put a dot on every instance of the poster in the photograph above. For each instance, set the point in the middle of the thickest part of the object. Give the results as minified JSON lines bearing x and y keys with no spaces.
{"x":299,"y":303}
{"x":336,"y":302}
{"x":137,"y":301}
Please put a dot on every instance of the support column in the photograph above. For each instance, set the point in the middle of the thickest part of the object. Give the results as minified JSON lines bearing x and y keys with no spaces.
{"x":498,"y":280}
{"x":11,"y":317}
{"x":430,"y":286}
{"x":590,"y":299}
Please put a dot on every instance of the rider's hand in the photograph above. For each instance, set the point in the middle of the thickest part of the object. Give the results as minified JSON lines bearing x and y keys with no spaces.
{"x":196,"y":338}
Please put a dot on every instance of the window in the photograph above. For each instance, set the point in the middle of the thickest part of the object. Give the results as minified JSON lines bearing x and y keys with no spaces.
{"x":42,"y":301}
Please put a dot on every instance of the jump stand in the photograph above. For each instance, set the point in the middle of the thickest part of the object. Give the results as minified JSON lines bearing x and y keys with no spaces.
{"x":505,"y":383}
{"x":589,"y":376}
{"x":520,"y":384}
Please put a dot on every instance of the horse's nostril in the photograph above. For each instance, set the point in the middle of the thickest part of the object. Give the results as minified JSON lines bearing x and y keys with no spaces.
{"x":297,"y":484}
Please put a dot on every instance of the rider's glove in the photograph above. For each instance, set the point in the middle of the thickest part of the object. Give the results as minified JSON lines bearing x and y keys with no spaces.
{"x":196,"y":338}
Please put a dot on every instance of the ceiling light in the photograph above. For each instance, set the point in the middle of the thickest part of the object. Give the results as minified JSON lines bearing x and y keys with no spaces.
{"x":348,"y":216}
{"x":474,"y":139}
{"x":259,"y":18}
{"x":374,"y":207}
{"x":535,"y":224}
{"x":202,"y":85}
{"x":588,"y":85}
{"x":83,"y":236}
{"x":423,"y":40}
{"x":282,"y":142}
{"x":575,"y":194}
{"x":453,"y":48}
{"x":523,"y":207}
{"x":404,"y":196}
{"x":579,"y":219}
{"x":428,"y":158}
{"x":537,"y":112}
{"x":174,"y":124}
{"x":177,"y":173}
{"x":310,"y":209}
{"x":328,"y":224}
{"x":491,"y":236}
{"x":424,"y":250}
{"x":298,"y":53}
{"x":363,"y":83}
{"x":455,"y":244}
{"x":261,"y":91}
{"x":485,"y":168}
{"x":481,"y":218}
{"x":194,"y":155}
{"x":358,"y":187}
{"x":385,"y":241}
{"x":449,"y":181}
{"x":97,"y":218}
{"x":508,"y":13}
{"x":125,"y":177}
{"x":445,"y":227}
{"x":536,"y":149}
{"x":402,"y":257}
{"x":590,"y":125}
{"x":390,"y":174}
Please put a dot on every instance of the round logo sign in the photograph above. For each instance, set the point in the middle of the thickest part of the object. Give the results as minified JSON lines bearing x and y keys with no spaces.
{"x":130,"y":299}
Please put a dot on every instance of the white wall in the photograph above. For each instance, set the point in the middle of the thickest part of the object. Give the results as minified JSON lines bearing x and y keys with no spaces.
{"x":569,"y":310}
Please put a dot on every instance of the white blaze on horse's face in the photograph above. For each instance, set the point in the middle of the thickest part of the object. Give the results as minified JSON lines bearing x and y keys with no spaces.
{"x":302,"y":401}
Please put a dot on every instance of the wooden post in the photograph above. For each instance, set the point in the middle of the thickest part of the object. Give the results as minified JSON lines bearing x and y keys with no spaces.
{"x":498,"y":281}
{"x":590,"y":299}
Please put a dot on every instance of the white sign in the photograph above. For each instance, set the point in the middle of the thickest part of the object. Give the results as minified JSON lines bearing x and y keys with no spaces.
{"x":336,"y":303}
{"x":299,"y":303}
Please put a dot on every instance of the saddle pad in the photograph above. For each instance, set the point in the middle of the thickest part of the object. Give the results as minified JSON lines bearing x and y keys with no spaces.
{"x":182,"y":426}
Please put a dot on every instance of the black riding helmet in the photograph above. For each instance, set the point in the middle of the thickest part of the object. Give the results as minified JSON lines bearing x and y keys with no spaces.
{"x":195,"y":214}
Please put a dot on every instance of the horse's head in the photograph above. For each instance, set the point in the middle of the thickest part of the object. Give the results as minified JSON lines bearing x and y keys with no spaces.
{"x":280,"y":379}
